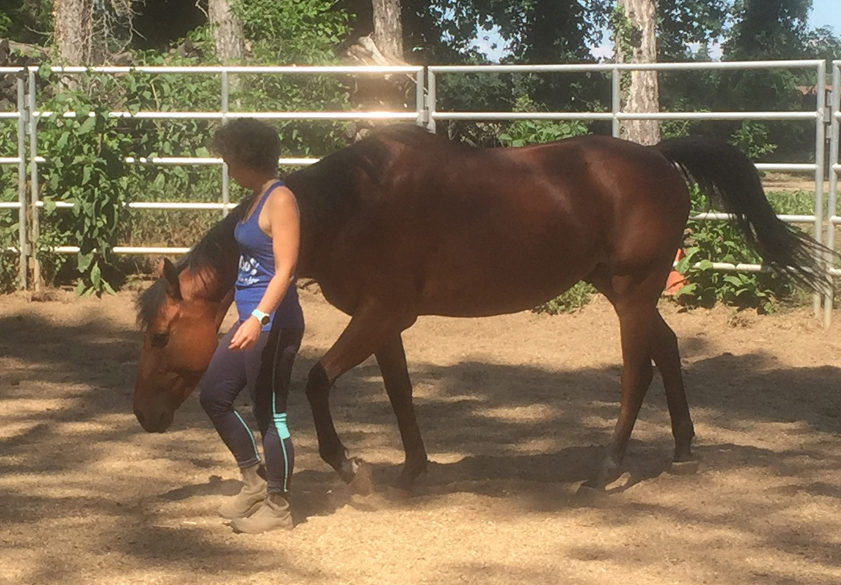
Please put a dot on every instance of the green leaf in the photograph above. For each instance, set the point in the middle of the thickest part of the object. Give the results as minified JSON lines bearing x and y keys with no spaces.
{"x":62,"y":140}
{"x":687,"y":289}
{"x":88,"y":125}
{"x":83,"y":261}
{"x":96,"y":276}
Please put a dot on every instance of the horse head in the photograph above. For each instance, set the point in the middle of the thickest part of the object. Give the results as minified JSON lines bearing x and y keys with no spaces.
{"x":181,"y":317}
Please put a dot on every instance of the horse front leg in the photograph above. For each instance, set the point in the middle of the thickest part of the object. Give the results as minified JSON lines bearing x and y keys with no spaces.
{"x":392,"y":361}
{"x":367,"y":331}
{"x":330,"y":447}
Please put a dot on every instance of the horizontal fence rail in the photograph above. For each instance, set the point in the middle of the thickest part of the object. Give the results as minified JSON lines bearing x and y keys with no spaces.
{"x":426,"y":113}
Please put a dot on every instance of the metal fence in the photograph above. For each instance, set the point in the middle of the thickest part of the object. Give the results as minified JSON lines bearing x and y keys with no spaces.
{"x":426,"y":113}
{"x":19,"y":160}
{"x":834,"y":218}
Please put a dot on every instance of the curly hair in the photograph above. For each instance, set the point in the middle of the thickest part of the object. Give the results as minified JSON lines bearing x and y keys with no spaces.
{"x":249,"y":142}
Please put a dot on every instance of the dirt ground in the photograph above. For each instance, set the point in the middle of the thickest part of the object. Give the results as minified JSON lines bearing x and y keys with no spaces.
{"x":514,"y":410}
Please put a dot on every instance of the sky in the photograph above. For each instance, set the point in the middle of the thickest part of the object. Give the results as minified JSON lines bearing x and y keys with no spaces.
{"x":824,"y":13}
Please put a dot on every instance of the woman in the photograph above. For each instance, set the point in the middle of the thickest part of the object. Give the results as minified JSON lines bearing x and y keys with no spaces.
{"x":268,"y":331}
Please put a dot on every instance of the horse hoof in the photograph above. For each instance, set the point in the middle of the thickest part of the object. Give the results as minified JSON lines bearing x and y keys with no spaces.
{"x":399,"y":493}
{"x":408,"y":482}
{"x":587,"y":495}
{"x":362,"y":482}
{"x":684,"y":467}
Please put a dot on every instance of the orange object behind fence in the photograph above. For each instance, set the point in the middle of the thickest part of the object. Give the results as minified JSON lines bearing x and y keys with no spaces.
{"x":676,"y":280}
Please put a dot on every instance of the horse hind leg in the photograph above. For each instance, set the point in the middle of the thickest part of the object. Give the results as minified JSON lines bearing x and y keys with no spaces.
{"x":667,"y":358}
{"x":635,"y":302}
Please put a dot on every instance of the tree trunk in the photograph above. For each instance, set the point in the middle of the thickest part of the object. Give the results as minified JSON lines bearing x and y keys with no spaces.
{"x":388,"y":28}
{"x":73,"y":30}
{"x":227,"y":32}
{"x":643,"y":93}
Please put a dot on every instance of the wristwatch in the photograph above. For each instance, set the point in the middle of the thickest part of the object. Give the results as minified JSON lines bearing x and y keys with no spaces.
{"x":262,"y":317}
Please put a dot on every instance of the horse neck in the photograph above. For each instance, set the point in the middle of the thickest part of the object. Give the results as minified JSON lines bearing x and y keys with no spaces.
{"x":212,"y":264}
{"x":321,"y":217}
{"x":206,"y":285}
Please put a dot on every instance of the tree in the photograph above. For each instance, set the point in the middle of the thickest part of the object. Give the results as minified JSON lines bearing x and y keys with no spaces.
{"x":25,"y":21}
{"x":90,"y":33}
{"x":73,"y":30}
{"x":821,"y":43}
{"x":227,"y":31}
{"x":767,"y":29}
{"x":684,"y":22}
{"x":388,"y":28}
{"x":535,"y":31}
{"x":635,"y":42}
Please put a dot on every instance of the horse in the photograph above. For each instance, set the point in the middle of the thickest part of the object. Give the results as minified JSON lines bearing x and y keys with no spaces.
{"x":406,"y":223}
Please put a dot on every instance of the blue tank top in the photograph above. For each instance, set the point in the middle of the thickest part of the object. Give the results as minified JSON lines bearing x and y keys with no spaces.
{"x":256,"y":269}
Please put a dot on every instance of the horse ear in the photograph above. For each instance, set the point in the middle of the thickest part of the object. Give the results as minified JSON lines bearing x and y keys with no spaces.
{"x":169,"y":272}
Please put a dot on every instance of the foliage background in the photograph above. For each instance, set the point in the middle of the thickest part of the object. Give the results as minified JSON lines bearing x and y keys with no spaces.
{"x":435,"y":31}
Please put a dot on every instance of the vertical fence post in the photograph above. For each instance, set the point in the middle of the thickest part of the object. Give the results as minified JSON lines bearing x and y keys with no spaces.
{"x":23,"y":248}
{"x":832,"y":211}
{"x":430,"y":101}
{"x":35,"y":225}
{"x":226,"y":189}
{"x":820,"y":147}
{"x":615,"y":99}
{"x":420,"y":103}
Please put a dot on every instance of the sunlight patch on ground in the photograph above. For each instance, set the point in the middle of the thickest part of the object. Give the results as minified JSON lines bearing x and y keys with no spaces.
{"x":531,"y":413}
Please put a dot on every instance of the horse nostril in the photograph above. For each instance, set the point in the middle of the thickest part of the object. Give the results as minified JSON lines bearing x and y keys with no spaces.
{"x":162,"y":423}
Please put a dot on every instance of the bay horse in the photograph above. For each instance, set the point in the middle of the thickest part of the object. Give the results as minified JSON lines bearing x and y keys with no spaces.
{"x":406,"y":223}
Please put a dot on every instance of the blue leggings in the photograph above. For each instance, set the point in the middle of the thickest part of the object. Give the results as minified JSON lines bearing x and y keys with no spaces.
{"x":265,"y":370}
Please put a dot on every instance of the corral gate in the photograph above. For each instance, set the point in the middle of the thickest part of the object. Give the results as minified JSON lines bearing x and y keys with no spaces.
{"x":424,"y":113}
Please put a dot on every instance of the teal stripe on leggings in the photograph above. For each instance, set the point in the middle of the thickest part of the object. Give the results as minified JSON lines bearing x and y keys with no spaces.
{"x":279,"y":420}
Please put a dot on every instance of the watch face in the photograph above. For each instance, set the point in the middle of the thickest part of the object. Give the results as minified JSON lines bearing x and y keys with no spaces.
{"x":265,"y":320}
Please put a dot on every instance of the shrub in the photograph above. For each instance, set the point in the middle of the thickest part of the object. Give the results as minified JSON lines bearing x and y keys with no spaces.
{"x":573,"y":299}
{"x":722,"y":241}
{"x":8,"y":217}
{"x":85,"y":166}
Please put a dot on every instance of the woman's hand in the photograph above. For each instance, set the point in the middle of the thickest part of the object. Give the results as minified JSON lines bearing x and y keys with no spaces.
{"x":246,"y":336}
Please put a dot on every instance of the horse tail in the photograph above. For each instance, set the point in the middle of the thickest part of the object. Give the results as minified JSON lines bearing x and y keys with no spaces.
{"x":725,"y":174}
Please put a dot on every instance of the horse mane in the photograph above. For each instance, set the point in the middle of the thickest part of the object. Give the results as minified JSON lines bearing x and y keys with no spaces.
{"x":371,"y":154}
{"x":211,"y":259}
{"x":328,"y":192}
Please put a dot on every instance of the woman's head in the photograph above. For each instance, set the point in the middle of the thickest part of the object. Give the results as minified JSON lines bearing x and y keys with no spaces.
{"x":249,"y":143}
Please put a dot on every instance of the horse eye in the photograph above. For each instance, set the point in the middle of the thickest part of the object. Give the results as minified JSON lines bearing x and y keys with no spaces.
{"x":159,"y":339}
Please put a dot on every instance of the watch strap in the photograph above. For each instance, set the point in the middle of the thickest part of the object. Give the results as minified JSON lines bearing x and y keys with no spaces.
{"x":262,"y":317}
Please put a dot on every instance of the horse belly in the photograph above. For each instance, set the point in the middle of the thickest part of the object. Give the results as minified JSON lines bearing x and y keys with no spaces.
{"x":506,"y":266}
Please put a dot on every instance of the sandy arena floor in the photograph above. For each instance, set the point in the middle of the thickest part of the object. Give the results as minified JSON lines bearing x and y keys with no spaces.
{"x":514,"y":410}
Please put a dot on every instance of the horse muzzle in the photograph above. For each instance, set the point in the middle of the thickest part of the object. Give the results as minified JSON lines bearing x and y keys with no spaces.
{"x":154,"y":422}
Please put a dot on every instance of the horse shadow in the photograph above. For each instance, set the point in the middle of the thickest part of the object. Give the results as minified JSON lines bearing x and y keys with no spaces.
{"x":726,"y":392}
